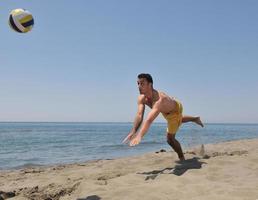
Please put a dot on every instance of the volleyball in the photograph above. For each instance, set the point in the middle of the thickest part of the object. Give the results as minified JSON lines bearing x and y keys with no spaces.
{"x":21,"y":20}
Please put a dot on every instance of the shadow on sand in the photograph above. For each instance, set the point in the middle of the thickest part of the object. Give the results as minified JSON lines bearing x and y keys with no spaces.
{"x":92,"y":197}
{"x":180,"y":168}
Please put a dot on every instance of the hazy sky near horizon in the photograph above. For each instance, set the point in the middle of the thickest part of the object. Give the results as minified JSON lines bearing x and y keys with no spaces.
{"x":80,"y":62}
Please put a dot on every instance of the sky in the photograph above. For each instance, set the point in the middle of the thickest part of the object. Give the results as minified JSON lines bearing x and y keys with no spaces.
{"x":81,"y":60}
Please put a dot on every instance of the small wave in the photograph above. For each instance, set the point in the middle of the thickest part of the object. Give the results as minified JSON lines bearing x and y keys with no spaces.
{"x":27,"y":165}
{"x":122,"y":145}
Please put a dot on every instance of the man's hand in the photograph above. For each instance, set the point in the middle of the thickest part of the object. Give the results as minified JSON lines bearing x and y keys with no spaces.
{"x":129,"y":137}
{"x":135,"y":140}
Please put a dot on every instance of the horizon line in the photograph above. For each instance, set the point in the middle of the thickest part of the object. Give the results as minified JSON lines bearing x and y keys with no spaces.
{"x":251,"y":123}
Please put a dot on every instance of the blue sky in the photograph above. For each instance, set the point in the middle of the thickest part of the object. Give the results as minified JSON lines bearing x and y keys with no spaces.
{"x":80,"y":62}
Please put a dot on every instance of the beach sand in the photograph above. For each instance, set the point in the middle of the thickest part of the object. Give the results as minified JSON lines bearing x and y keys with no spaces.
{"x":218,"y":171}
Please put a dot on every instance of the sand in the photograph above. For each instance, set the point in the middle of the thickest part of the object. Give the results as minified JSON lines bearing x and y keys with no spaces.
{"x":217,"y":171}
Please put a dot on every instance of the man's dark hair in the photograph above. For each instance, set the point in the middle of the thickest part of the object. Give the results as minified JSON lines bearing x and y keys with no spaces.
{"x":146,"y":76}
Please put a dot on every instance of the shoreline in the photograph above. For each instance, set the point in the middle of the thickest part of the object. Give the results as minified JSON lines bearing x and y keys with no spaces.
{"x":225,"y":170}
{"x":167,"y":149}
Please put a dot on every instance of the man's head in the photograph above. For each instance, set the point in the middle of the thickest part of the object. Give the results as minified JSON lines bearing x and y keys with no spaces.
{"x":145,"y":83}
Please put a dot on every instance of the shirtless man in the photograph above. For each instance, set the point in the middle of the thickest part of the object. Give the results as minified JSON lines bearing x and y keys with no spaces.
{"x":159,"y":102}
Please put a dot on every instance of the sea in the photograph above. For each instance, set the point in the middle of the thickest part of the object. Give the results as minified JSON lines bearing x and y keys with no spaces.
{"x":28,"y":144}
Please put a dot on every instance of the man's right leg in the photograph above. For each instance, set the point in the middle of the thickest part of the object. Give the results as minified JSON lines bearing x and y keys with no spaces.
{"x":197,"y":120}
{"x":175,"y":145}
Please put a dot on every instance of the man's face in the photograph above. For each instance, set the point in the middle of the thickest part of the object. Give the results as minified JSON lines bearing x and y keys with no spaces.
{"x":143,"y":85}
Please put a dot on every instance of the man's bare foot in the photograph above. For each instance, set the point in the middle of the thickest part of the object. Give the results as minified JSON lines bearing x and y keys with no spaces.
{"x":182,"y":158}
{"x":198,"y":121}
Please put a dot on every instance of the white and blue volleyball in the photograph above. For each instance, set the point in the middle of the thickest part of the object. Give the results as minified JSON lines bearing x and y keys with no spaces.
{"x":21,"y":20}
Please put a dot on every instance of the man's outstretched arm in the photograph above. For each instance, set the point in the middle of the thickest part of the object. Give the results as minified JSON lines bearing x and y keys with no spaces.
{"x":145,"y":127}
{"x":138,"y":119}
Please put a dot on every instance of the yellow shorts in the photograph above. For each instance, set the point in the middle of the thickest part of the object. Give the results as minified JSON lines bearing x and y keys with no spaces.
{"x":174,"y":120}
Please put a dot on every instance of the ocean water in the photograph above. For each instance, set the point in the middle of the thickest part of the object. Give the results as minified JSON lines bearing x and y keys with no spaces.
{"x":29,"y":144}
